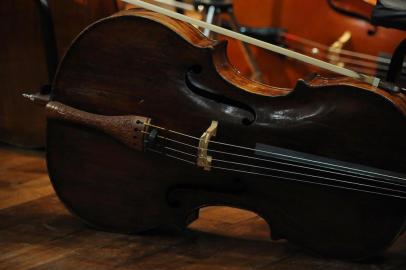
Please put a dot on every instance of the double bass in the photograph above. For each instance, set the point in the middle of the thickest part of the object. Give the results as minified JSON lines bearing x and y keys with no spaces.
{"x":336,"y":31}
{"x":148,"y":122}
{"x":37,"y":33}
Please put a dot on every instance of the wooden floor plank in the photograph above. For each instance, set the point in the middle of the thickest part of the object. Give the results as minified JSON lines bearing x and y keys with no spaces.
{"x":45,"y":252}
{"x":34,"y":189}
{"x":119,"y":251}
{"x":208,"y":251}
{"x":229,"y":221}
{"x":31,"y":224}
{"x":23,"y":177}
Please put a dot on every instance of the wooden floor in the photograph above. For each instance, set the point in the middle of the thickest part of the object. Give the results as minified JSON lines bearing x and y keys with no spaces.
{"x":37,"y":232}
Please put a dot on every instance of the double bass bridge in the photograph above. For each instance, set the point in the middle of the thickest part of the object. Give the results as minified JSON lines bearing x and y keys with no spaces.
{"x":203,"y":159}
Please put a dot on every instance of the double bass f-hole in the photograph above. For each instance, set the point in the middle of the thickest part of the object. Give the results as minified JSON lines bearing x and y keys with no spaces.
{"x":192,"y":82}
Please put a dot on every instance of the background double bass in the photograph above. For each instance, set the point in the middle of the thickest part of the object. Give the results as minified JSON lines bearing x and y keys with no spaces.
{"x":312,"y":27}
{"x":23,"y":57}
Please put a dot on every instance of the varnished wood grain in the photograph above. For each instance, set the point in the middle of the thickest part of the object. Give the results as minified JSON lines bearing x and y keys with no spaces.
{"x":39,"y":233}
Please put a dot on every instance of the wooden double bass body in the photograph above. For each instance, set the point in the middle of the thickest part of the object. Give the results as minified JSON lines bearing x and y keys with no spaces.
{"x":129,"y":175}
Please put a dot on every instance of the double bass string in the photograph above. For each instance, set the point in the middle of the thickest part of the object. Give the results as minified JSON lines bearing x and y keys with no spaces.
{"x":321,"y":164}
{"x":369,"y":62}
{"x":310,"y":182}
{"x":279,"y":170}
{"x":304,"y":174}
{"x":310,"y":43}
{"x":334,"y":180}
{"x":281,"y":177}
{"x":272,"y":161}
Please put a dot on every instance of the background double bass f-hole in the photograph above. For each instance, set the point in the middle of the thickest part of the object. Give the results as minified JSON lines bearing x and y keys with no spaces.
{"x":314,"y":163}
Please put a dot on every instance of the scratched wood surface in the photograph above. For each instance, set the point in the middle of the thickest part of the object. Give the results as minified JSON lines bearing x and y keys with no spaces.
{"x":37,"y":232}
